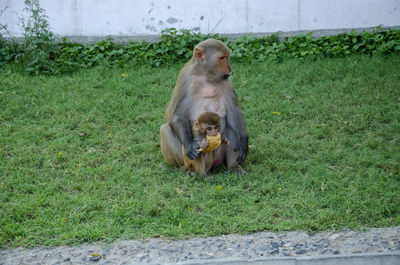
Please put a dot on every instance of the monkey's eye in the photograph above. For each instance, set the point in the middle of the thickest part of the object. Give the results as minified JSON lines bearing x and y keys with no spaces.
{"x":216,"y":127}
{"x":222,"y":58}
{"x":209,"y":128}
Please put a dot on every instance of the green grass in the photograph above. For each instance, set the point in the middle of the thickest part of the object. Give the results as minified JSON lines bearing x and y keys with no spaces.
{"x":80,"y":158}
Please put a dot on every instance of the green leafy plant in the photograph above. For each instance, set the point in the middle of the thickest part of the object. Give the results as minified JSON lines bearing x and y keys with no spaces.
{"x":380,"y":41}
{"x":40,"y":49}
{"x":8,"y":48}
{"x":3,"y":28}
{"x":41,"y":54}
{"x":174,"y":46}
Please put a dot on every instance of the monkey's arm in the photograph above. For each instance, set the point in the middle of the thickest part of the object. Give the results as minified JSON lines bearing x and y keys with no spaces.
{"x":181,"y":127}
{"x":235,"y":121}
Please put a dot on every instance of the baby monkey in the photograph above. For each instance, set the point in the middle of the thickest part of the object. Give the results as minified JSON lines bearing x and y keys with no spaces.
{"x":205,"y":131}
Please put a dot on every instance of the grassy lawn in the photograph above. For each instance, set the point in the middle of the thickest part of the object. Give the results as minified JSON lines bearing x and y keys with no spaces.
{"x":80,"y":157}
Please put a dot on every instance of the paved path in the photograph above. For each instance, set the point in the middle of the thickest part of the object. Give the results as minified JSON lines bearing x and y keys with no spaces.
{"x":374,"y":246}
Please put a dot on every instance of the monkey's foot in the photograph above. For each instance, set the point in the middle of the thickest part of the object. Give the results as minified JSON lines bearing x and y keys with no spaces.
{"x":238,"y":170}
{"x":166,"y":167}
{"x":190,"y":173}
{"x":209,"y":177}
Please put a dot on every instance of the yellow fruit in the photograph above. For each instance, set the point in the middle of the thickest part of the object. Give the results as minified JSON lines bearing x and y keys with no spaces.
{"x":213,"y":142}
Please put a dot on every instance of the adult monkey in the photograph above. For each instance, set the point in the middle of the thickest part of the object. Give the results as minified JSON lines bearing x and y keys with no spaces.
{"x":203,"y":85}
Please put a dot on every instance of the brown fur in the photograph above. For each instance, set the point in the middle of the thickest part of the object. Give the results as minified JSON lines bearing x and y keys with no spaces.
{"x":204,"y":162}
{"x":211,"y":118}
{"x":203,"y":85}
{"x":189,"y":67}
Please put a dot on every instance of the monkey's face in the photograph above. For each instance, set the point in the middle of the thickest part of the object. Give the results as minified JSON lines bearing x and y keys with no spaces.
{"x":212,"y":57}
{"x":221,"y":66}
{"x":218,"y":65}
{"x":209,"y":129}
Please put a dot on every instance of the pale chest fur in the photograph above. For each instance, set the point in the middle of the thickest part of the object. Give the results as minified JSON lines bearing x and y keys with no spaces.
{"x":208,"y":97}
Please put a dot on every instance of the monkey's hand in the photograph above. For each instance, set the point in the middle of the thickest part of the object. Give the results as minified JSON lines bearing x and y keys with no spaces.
{"x":192,"y":150}
{"x":225,"y":141}
{"x":203,"y":144}
{"x":243,"y":147}
{"x":213,"y":143}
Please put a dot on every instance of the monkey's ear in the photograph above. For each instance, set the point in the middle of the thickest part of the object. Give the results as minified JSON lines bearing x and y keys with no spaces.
{"x":196,"y":125}
{"x":198,"y":54}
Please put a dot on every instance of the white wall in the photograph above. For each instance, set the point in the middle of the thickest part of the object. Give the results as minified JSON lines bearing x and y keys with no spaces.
{"x":149,"y":17}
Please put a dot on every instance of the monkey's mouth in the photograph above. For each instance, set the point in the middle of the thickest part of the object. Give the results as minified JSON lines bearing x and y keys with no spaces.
{"x":226,"y":76}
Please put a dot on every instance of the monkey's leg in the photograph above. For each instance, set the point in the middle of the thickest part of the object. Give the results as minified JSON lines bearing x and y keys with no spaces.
{"x":209,"y":160}
{"x":220,"y":155}
{"x":231,"y":155}
{"x":200,"y":165}
{"x":171,"y":147}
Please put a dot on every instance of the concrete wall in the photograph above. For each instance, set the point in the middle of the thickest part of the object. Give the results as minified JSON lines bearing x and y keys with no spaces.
{"x":149,"y":17}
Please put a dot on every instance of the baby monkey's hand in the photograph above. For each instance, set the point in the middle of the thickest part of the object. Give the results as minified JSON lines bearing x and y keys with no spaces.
{"x":204,"y":143}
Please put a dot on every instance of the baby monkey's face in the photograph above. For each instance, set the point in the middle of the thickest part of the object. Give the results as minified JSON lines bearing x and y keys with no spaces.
{"x":210,"y":129}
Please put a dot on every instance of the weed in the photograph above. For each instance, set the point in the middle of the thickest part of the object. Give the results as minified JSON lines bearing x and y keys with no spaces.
{"x":40,"y":54}
{"x":8,"y":48}
{"x":39,"y":46}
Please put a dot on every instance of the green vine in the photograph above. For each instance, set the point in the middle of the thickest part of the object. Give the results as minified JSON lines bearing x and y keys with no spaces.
{"x":40,"y":53}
